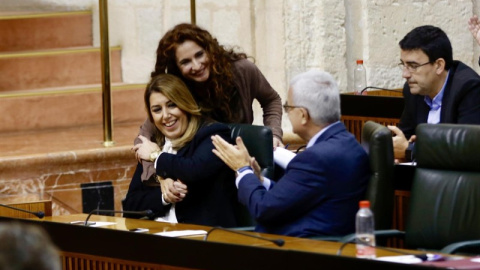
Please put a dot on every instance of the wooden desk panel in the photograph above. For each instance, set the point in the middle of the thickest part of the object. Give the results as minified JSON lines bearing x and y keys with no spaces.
{"x":354,"y":124}
{"x":114,"y":247}
{"x":25,"y":203}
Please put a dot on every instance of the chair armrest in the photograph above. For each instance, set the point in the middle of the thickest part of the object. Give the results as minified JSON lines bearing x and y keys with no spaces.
{"x":452,"y":248}
{"x":389,"y":233}
{"x":326,"y":238}
{"x":247,"y":228}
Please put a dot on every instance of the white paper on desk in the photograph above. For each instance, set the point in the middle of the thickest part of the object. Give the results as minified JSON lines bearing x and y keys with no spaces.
{"x":97,"y":223}
{"x":282,"y":156}
{"x":182,"y":233}
{"x":102,"y":223}
{"x":400,"y":259}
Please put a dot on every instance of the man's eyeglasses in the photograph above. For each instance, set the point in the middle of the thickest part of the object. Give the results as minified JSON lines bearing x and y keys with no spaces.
{"x":287,"y":107}
{"x":411,"y":67}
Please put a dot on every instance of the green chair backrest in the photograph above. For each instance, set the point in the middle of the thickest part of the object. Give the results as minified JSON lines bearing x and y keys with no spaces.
{"x":445,"y":195}
{"x":377,"y":142}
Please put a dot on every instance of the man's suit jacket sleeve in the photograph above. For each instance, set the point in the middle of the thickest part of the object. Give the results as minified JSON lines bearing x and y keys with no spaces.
{"x":294,"y":194}
{"x":464,"y":106}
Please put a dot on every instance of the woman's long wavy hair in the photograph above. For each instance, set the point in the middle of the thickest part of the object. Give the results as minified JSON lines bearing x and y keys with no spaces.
{"x":220,"y":99}
{"x":177,"y":92}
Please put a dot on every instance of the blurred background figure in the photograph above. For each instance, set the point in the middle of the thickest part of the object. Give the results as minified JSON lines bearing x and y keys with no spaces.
{"x":26,"y":247}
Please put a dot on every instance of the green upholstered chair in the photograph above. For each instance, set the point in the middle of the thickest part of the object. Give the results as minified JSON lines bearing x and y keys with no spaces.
{"x":445,"y":195}
{"x":259,"y":142}
{"x":377,"y":142}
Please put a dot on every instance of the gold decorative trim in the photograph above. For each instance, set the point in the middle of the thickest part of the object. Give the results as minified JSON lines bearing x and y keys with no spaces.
{"x":53,"y":52}
{"x":68,"y":91}
{"x":27,"y":15}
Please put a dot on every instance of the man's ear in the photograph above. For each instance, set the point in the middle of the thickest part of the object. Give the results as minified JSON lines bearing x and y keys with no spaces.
{"x":305,"y":116}
{"x":439,"y":65}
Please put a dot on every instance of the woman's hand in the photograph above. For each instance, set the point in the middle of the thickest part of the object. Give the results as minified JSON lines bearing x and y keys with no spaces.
{"x":145,"y":148}
{"x":173,"y":191}
{"x":277,"y":143}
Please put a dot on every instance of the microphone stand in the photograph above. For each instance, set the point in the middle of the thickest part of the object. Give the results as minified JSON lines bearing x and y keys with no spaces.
{"x":379,"y":88}
{"x":279,"y":242}
{"x":423,"y":257}
{"x":38,"y":214}
{"x":140,"y":213}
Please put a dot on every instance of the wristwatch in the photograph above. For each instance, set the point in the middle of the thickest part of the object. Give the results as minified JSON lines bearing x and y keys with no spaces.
{"x":154,"y":155}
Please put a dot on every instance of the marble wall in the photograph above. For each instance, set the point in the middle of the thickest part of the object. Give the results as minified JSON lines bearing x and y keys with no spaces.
{"x":58,"y":176}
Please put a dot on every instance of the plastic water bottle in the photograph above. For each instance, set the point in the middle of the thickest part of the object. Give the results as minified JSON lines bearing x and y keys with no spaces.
{"x":359,"y":78}
{"x":365,"y":237}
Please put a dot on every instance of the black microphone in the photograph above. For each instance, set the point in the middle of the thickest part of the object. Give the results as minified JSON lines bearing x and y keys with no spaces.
{"x":278,"y":242}
{"x":39,"y":214}
{"x":147,"y":213}
{"x":422,"y":257}
{"x":379,"y":88}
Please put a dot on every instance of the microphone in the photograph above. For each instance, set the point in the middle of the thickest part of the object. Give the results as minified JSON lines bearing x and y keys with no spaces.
{"x":423,"y":257}
{"x":38,"y":214}
{"x":147,"y":213}
{"x":278,"y":242}
{"x":379,"y":88}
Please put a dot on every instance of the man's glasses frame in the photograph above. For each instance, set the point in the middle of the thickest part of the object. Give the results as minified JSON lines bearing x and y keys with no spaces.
{"x":412,"y":67}
{"x":287,"y":108}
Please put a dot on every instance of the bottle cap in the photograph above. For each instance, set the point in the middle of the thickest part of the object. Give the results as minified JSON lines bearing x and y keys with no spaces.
{"x":364,"y":204}
{"x":359,"y":62}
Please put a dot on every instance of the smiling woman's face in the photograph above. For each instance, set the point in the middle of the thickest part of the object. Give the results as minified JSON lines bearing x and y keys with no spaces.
{"x":168,"y":118}
{"x":193,"y":61}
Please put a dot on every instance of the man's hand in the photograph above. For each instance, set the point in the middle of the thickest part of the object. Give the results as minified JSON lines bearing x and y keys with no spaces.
{"x":235,"y":157}
{"x":256,"y":168}
{"x":145,"y":148}
{"x":400,"y":143}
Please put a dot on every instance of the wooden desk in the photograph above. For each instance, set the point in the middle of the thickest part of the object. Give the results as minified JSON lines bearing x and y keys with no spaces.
{"x":114,"y":247}
{"x":376,"y":106}
{"x":29,"y":203}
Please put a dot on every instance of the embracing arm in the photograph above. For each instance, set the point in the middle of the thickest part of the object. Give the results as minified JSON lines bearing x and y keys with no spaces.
{"x":140,"y":197}
{"x":196,"y":166}
{"x":254,"y":85}
{"x":271,"y":104}
{"x":146,"y":130}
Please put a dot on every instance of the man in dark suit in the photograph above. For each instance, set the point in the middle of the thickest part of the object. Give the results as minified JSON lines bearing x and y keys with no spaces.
{"x":437,"y":88}
{"x":319,"y":193}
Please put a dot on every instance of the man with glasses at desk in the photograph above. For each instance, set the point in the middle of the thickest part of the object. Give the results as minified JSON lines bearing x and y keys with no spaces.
{"x":438,"y":89}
